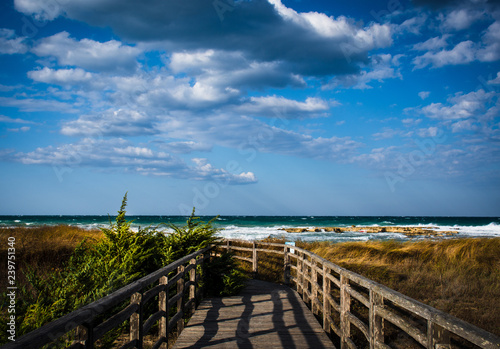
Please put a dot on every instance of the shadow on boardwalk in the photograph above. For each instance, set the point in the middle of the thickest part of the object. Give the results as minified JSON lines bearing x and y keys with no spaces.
{"x":263,"y":315}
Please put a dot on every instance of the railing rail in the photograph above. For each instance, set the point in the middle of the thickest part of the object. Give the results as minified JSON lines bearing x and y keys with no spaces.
{"x":349,"y":302}
{"x":90,"y":326}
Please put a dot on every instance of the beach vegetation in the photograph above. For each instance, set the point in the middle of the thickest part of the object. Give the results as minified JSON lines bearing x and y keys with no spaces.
{"x":458,"y":276}
{"x":102,"y":262}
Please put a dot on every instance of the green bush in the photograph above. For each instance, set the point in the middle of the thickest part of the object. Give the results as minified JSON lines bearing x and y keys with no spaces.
{"x":97,"y":269}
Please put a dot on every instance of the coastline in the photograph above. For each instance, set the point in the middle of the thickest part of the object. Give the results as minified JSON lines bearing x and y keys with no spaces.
{"x":293,"y":228}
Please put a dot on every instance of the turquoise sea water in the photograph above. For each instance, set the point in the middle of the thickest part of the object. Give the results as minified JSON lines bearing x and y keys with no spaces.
{"x":258,"y":227}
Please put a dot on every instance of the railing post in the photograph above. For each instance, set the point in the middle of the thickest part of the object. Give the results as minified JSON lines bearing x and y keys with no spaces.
{"x":327,"y":308}
{"x":286,"y":266}
{"x":163,"y":306}
{"x":84,"y":335}
{"x":305,"y":282}
{"x":136,"y":321}
{"x":345,"y":308}
{"x":254,"y":259}
{"x":437,"y":337}
{"x":314,"y":287}
{"x":180,"y":290}
{"x":192,"y":287}
{"x":228,"y":244}
{"x":376,"y":322}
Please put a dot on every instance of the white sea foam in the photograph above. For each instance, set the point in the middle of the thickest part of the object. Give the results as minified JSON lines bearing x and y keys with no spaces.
{"x":255,"y":232}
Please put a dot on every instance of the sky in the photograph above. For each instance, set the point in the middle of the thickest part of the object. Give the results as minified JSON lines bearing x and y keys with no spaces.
{"x":250,"y":107}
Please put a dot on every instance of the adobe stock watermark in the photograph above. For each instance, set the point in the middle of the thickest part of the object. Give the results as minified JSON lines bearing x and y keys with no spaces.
{"x":350,"y":49}
{"x":249,"y":149}
{"x":74,"y":158}
{"x":32,"y":26}
{"x":407,"y":164}
{"x":223,"y":6}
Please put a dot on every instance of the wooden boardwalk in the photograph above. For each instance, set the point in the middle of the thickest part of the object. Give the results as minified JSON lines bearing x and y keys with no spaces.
{"x":263,"y":315}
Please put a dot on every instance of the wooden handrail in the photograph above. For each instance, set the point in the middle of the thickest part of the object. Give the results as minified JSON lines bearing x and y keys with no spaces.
{"x":304,"y":269}
{"x":84,"y":319}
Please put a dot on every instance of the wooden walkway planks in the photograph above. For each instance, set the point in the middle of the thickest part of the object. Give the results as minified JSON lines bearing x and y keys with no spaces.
{"x":264,"y":315}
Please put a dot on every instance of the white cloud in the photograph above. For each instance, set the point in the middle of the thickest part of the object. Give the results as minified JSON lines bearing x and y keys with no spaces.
{"x":462,"y":53}
{"x":487,"y":50}
{"x":274,"y":106}
{"x":232,"y":69}
{"x":461,"y":19}
{"x":464,"y":125}
{"x":119,"y":122}
{"x":490,"y":51}
{"x":495,"y":81}
{"x":411,"y":122}
{"x":460,"y":106}
{"x":61,"y":76}
{"x":119,"y":154}
{"x":10,"y":44}
{"x":381,"y":67}
{"x":206,"y":171}
{"x":184,"y":147}
{"x":432,"y":44}
{"x":38,"y":104}
{"x":8,"y":119}
{"x":424,"y":94}
{"x":429,"y":132}
{"x":387,"y":133}
{"x":88,"y":54}
{"x":413,"y":25}
{"x":21,"y":129}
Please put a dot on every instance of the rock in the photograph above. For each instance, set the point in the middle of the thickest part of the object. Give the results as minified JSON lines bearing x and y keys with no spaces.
{"x":408,"y":231}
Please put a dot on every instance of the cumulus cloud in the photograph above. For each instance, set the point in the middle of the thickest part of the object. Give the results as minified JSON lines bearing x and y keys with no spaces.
{"x":381,"y":67}
{"x":10,"y":44}
{"x":8,"y":119}
{"x":184,"y":147}
{"x":263,"y":31}
{"x":424,"y":94}
{"x":495,"y":81}
{"x":88,"y":54}
{"x":61,"y":76}
{"x":487,"y":50}
{"x":461,"y":18}
{"x":234,"y":69}
{"x":464,"y":52}
{"x":277,"y":106}
{"x":432,"y":44}
{"x":119,"y":122}
{"x":460,"y":106}
{"x":38,"y":104}
{"x":20,"y":129}
{"x":413,"y":25}
{"x":120,"y":154}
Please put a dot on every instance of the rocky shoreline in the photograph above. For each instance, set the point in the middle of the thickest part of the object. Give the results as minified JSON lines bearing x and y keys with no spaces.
{"x":408,"y":231}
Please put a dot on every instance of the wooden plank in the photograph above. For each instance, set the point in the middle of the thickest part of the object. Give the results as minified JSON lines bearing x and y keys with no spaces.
{"x":264,"y":315}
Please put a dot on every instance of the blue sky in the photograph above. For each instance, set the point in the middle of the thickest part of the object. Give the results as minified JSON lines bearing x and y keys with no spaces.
{"x":250,"y":107}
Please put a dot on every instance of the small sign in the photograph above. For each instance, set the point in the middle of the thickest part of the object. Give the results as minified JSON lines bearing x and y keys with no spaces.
{"x":291,"y":243}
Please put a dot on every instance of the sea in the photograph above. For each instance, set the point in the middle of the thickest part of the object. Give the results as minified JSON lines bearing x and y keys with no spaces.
{"x":260,"y":227}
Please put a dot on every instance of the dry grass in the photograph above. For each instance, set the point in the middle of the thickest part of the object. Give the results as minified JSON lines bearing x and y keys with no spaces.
{"x":458,"y":276}
{"x":43,"y":248}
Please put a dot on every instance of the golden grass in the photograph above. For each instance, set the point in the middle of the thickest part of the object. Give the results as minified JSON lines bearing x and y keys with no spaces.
{"x":43,"y":248}
{"x":458,"y":276}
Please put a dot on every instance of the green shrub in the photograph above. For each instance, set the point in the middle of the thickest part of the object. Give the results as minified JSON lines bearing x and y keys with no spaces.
{"x":99,"y":268}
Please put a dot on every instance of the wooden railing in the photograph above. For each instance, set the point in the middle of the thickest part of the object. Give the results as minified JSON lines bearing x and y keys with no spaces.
{"x":90,"y":323}
{"x":358,"y":312}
